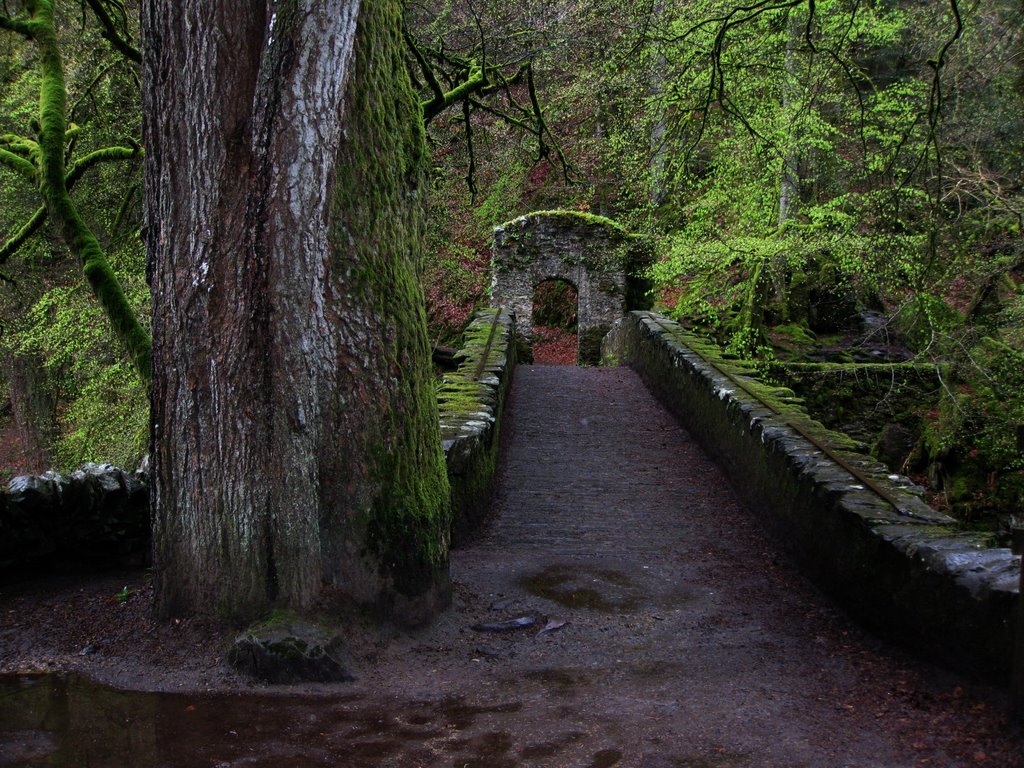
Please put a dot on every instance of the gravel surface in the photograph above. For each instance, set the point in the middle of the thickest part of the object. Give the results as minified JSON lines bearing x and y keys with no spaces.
{"x":621,"y":608}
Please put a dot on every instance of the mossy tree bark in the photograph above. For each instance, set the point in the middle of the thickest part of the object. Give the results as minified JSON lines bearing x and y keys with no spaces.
{"x":294,"y":422}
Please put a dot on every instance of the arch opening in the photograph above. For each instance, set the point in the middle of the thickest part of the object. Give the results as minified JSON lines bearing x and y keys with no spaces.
{"x":555,"y":330}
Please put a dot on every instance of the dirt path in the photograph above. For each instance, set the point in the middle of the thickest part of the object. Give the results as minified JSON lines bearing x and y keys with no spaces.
{"x":676,"y":636}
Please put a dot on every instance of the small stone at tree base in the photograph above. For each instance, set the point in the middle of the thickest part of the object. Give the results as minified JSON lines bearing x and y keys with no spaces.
{"x":294,"y":652}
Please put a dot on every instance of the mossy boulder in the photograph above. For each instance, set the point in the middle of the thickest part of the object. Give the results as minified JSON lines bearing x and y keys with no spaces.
{"x":287,"y":649}
{"x":894,"y":445}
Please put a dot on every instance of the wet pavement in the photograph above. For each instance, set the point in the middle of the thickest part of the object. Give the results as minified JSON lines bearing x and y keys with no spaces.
{"x":628,"y":612}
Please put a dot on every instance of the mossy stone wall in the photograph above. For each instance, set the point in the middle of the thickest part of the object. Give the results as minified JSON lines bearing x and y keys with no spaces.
{"x":905,"y":572}
{"x":471,"y":400}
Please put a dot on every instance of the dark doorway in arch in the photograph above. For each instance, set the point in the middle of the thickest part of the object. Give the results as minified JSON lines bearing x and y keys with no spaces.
{"x":555,"y":322}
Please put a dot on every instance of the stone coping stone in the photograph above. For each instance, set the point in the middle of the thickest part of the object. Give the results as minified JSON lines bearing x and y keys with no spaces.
{"x":470,"y":401}
{"x":908,"y":573}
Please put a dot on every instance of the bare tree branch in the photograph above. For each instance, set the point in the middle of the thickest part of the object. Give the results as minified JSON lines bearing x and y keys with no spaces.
{"x":115,"y":32}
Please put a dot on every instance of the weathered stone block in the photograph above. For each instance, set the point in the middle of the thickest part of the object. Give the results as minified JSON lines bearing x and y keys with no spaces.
{"x":290,"y":651}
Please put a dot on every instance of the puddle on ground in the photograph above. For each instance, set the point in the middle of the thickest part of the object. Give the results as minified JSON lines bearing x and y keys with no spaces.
{"x":68,"y":720}
{"x":606,"y":758}
{"x":579,"y":587}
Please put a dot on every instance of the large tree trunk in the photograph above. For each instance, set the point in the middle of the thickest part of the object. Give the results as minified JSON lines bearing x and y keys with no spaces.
{"x":294,"y":422}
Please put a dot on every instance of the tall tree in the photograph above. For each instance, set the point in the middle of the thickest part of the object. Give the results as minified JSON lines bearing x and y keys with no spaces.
{"x":294,"y":422}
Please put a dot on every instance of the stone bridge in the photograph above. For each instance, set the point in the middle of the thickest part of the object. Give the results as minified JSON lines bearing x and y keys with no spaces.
{"x":630,"y":590}
{"x":605,"y":467}
{"x":654,"y":524}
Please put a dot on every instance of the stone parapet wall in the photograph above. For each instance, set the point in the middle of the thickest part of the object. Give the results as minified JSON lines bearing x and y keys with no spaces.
{"x":899,"y":566}
{"x":471,"y":400}
{"x":97,"y":515}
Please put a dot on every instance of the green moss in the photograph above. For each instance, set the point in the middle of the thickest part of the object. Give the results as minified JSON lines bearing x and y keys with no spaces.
{"x":379,"y":195}
{"x":625,"y":251}
{"x":793,"y":335}
{"x":462,"y":397}
{"x":579,"y":218}
{"x":782,"y":400}
{"x":52,"y":178}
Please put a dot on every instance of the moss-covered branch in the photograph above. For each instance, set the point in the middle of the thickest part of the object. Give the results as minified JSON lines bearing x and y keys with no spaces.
{"x":110,"y":154}
{"x":16,"y":25}
{"x":30,"y":227}
{"x":475,"y":81}
{"x":20,"y":145}
{"x":18,"y":164}
{"x":53,"y":181}
{"x":26,"y":231}
{"x":106,"y":155}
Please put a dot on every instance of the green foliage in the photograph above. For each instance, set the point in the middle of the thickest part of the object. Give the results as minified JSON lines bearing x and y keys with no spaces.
{"x":49,"y":311}
{"x":555,"y":304}
{"x":928,"y":323}
{"x":107,"y":421}
{"x":104,"y":415}
{"x":972,"y":438}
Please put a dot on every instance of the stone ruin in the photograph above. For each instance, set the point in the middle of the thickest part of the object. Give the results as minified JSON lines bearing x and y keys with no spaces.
{"x":596,"y":255}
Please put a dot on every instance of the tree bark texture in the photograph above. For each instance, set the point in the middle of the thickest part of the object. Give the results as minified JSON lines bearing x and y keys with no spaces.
{"x":34,"y":410}
{"x":659,"y":123}
{"x":295,"y":436}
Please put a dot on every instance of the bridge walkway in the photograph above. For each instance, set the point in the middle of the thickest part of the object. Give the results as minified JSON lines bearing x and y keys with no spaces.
{"x":678,"y":635}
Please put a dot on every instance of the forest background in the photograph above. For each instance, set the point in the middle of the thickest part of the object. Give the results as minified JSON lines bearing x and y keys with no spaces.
{"x":825,"y":186}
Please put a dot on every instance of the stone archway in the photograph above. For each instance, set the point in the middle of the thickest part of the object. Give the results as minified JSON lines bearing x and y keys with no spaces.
{"x":593,"y":253}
